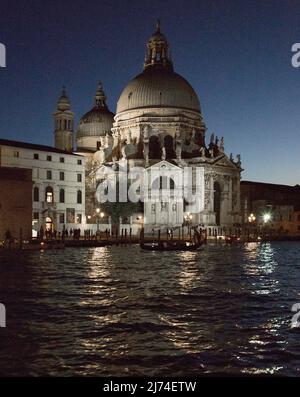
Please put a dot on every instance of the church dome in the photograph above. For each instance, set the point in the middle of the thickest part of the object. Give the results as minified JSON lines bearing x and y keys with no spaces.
{"x":158,"y":85}
{"x":95,"y":124}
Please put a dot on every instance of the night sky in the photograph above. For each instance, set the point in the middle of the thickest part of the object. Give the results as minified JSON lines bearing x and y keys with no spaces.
{"x":236,"y":55}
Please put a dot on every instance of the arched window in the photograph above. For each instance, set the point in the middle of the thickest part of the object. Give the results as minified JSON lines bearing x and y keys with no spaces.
{"x":79,"y":197}
{"x":36,"y":194}
{"x":217,"y":202}
{"x":154,"y":147}
{"x":169,"y":146}
{"x":62,"y":196}
{"x":163,"y":183}
{"x":49,"y":198}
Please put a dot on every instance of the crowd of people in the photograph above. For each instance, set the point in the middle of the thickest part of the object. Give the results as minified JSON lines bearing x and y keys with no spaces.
{"x":70,"y":234}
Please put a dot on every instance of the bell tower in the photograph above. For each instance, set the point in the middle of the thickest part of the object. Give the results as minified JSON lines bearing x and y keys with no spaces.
{"x":63,"y":123}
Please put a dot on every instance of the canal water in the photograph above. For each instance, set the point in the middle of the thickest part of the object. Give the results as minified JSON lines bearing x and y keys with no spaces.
{"x":120,"y":311}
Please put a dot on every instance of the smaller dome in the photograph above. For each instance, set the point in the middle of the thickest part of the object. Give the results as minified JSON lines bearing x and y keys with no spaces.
{"x":99,"y":120}
{"x":96,"y":122}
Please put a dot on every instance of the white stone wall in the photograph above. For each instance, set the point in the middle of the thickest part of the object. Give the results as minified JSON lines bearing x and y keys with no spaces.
{"x":24,"y":158}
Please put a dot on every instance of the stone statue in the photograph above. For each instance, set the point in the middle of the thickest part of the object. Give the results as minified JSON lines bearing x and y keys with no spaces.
{"x":217,"y":141}
{"x":129,"y":135}
{"x":211,"y":152}
{"x":212,"y":138}
{"x":178,"y":151}
{"x":178,"y":145}
{"x":231,"y":157}
{"x":221,"y":147}
{"x":238,"y":160}
{"x":163,"y":153}
{"x":202,"y":151}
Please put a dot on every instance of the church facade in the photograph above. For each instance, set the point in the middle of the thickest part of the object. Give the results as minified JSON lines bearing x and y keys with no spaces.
{"x":159,"y":129}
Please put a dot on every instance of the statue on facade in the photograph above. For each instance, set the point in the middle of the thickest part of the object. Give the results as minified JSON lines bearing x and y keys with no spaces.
{"x":202,"y":151}
{"x":178,"y":145}
{"x":221,"y":146}
{"x":163,"y":153}
{"x":212,"y":138}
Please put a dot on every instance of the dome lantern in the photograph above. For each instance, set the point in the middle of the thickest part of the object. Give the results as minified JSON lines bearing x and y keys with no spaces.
{"x":100,"y":98}
{"x":158,"y":54}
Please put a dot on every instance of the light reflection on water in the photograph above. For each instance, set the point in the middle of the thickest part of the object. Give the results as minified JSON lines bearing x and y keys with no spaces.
{"x":121,"y":311}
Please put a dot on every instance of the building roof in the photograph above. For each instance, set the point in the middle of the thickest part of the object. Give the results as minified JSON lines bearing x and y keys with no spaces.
{"x":269,"y":185}
{"x":33,"y":146}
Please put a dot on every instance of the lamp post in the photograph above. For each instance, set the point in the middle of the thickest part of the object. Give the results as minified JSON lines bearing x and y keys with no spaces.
{"x":251,"y":220}
{"x":97,"y":212}
{"x":188,"y":220}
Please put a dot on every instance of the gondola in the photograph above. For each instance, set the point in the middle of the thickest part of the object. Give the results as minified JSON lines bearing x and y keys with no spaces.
{"x":172,"y":245}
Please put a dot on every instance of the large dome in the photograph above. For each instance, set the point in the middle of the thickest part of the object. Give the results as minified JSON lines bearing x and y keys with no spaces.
{"x":158,"y":85}
{"x":158,"y":88}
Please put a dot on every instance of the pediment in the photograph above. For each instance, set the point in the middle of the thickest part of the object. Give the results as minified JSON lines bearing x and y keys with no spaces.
{"x":224,"y":161}
{"x":163,"y":165}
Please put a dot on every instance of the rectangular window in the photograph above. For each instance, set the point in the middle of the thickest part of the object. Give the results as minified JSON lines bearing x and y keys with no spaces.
{"x":79,"y":162}
{"x":35,"y":216}
{"x":61,"y":218}
{"x":79,"y":218}
{"x":36,"y":156}
{"x":62,"y":159}
{"x":61,"y":176}
{"x":16,"y":153}
{"x":79,"y":178}
{"x":49,"y":174}
{"x":49,"y":158}
{"x":70,"y":215}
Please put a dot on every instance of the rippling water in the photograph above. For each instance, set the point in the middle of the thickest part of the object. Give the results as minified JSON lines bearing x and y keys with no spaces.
{"x":121,"y":311}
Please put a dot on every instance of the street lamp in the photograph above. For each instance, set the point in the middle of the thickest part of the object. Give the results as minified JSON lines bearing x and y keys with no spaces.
{"x":267,"y":217}
{"x":97,"y":212}
{"x":188,"y":219}
{"x":251,"y":218}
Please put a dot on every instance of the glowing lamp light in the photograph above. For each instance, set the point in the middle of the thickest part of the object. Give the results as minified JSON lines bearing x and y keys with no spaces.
{"x":266,"y":217}
{"x":251,"y":218}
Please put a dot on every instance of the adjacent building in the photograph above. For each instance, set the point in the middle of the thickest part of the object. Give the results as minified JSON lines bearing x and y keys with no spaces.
{"x":58,"y":183}
{"x":272,"y":205}
{"x":15,"y":202}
